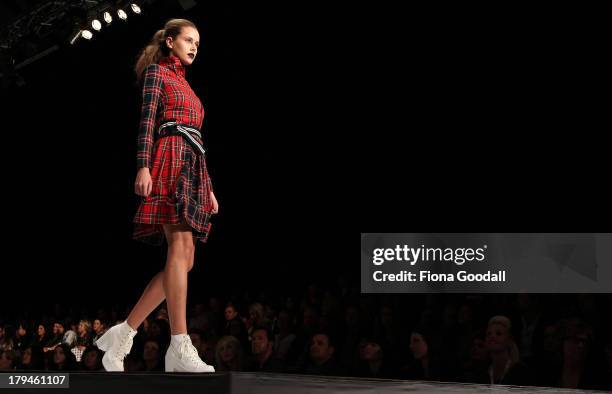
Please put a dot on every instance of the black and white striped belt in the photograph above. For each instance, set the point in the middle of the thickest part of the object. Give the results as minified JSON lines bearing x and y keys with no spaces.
{"x":188,"y":132}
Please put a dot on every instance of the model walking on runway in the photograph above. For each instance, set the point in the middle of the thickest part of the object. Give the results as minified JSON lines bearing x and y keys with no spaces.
{"x":177,"y":196}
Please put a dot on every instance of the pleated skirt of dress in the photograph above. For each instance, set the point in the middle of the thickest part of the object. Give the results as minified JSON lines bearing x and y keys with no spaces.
{"x":180,"y":192}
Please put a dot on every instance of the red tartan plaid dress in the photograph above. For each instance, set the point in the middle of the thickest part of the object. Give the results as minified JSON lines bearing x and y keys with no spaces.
{"x":181,"y":184}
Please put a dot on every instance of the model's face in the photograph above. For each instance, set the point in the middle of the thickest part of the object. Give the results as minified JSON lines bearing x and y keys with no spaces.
{"x":185,"y":45}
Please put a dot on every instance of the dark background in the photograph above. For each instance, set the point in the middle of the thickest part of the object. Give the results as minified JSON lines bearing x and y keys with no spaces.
{"x":69,"y":164}
{"x":320,"y":124}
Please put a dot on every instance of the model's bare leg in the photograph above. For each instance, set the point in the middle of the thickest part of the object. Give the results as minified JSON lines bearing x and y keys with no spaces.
{"x":181,"y":355}
{"x":181,"y":250}
{"x":172,"y":282}
{"x":154,"y":294}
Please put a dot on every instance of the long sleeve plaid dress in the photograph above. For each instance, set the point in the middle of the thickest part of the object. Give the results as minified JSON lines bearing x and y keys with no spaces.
{"x":181,"y":184}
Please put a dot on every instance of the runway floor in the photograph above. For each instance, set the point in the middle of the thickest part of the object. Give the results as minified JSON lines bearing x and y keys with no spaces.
{"x":262,"y":383}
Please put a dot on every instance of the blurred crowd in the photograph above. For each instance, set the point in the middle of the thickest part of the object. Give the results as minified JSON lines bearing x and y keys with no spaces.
{"x":556,"y":340}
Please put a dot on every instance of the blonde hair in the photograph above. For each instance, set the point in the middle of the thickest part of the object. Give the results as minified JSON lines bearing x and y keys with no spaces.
{"x":236,"y":365}
{"x":512,"y":347}
{"x":157,"y":48}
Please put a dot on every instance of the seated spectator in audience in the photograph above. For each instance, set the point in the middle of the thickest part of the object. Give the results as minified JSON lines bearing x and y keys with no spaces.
{"x":58,"y":335}
{"x":70,"y":336}
{"x":203,"y":345}
{"x":547,"y":361}
{"x":197,"y":341}
{"x":577,"y":369}
{"x":228,"y":355}
{"x":322,"y":360}
{"x":214,"y":317}
{"x":478,"y":361}
{"x":285,"y":336}
{"x":505,"y":367}
{"x":199,"y":319}
{"x":8,"y":360}
{"x":92,"y":359}
{"x":263,"y":357}
{"x":352,"y":332}
{"x":83,"y":339}
{"x":22,"y":338}
{"x":330,"y":312}
{"x":299,"y":352}
{"x":160,"y":331}
{"x":151,"y":356}
{"x":6,"y":340}
{"x":99,"y":328}
{"x":41,"y":338}
{"x":32,"y":359}
{"x":388,"y":330}
{"x":63,"y":359}
{"x":133,"y":363}
{"x":372,"y":362}
{"x":256,"y":318}
{"x":425,"y":365}
{"x":606,"y":381}
{"x":145,"y":328}
{"x":530,"y":326}
{"x":162,"y":313}
{"x":234,"y":326}
{"x":209,"y":344}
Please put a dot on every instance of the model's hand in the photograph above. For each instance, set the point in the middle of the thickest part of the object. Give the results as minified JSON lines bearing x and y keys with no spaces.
{"x":143,"y":183}
{"x":215,"y":204}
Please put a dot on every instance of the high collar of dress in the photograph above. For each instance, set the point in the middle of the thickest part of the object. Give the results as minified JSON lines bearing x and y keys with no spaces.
{"x":173,"y":63}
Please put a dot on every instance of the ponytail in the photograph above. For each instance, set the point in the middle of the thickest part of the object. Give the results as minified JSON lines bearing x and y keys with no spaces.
{"x":157,"y":48}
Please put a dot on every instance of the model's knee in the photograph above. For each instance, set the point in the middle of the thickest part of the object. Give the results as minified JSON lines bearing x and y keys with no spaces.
{"x":182,"y":249}
{"x":179,"y":260}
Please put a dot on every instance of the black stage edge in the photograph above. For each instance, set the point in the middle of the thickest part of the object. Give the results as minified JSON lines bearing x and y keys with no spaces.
{"x":263,"y":383}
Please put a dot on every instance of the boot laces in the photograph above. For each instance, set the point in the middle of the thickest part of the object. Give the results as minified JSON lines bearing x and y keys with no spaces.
{"x":190,"y":352}
{"x":125,"y":344}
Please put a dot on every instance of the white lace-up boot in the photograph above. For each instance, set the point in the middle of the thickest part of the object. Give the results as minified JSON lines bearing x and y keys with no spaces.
{"x":182,"y":356}
{"x":116,"y":342}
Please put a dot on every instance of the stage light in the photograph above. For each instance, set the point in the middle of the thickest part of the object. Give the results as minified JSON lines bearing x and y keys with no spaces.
{"x":86,"y":34}
{"x":108,"y":18}
{"x":122,"y":14}
{"x":96,"y":24}
{"x":135,"y":8}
